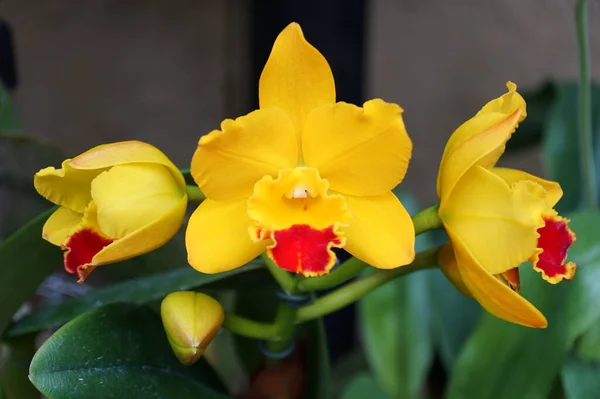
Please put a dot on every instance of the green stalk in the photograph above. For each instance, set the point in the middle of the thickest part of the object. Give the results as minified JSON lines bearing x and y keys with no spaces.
{"x":357,"y":289}
{"x":194,"y":194}
{"x":347,"y":270}
{"x":586,"y":154}
{"x":285,"y":320}
{"x":283,"y":278}
{"x":427,"y":219}
{"x":250,"y":328}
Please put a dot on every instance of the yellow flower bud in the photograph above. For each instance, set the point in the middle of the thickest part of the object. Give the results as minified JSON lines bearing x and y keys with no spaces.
{"x":191,"y":320}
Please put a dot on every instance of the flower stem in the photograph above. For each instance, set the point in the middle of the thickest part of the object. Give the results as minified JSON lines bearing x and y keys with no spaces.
{"x":249,"y":328}
{"x":586,"y":154}
{"x":427,"y":219}
{"x":347,"y":270}
{"x":194,"y":194}
{"x":356,"y":290}
{"x":283,"y":278}
{"x":285,"y":322}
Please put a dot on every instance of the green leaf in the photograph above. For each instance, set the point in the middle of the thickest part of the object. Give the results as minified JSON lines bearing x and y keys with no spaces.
{"x":363,"y":386}
{"x":15,"y":356}
{"x":118,"y":351}
{"x":21,"y":158}
{"x":395,"y":329}
{"x":256,"y":304}
{"x":395,"y":325}
{"x":9,"y":121}
{"x":506,"y":361}
{"x":588,"y":347}
{"x":561,"y":151}
{"x":25,"y":260}
{"x":137,"y":291}
{"x":581,"y":379}
{"x":346,"y":368}
{"x":453,"y":317}
{"x":171,"y":256}
{"x":319,"y":367}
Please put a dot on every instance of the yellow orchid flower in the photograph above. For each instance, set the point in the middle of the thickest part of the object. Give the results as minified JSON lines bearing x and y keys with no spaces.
{"x":301,"y":175}
{"x":116,"y":201}
{"x":498,"y":218}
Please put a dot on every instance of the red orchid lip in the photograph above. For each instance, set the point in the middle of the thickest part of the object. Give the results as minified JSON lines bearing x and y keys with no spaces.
{"x":303,"y":249}
{"x":555,"y":240}
{"x":81,"y":247}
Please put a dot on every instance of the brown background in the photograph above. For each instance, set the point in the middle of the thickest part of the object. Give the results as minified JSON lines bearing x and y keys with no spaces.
{"x":168,"y":71}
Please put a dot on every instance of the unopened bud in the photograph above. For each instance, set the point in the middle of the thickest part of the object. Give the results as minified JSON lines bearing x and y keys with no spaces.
{"x":191,"y":320}
{"x":447,"y":262}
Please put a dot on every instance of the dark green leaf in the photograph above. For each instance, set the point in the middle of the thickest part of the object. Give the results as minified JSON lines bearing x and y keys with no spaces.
{"x":138,"y":291}
{"x":319,"y":367}
{"x":15,"y":356}
{"x":363,"y":386}
{"x":581,"y":379}
{"x":588,"y":347}
{"x":9,"y":121}
{"x":506,"y":361}
{"x":346,"y":368}
{"x":25,"y":260}
{"x":171,"y":256}
{"x":21,"y":158}
{"x":256,"y":304}
{"x":118,"y":351}
{"x":395,"y":325}
{"x":394,"y":321}
{"x":454,"y":317}
{"x":561,"y":152}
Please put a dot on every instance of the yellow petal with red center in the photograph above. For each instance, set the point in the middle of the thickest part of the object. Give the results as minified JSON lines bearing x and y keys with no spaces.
{"x":512,"y":176}
{"x":381,"y":232}
{"x":555,"y":240}
{"x":132,"y":196}
{"x":82,"y":245}
{"x":301,"y":218}
{"x":229,"y":161}
{"x":492,"y":294}
{"x":481,"y":140}
{"x":296,"y":78}
{"x":360,"y":151}
{"x":217,"y":237}
{"x":66,"y":186}
{"x":124,"y":152}
{"x":496,"y":222}
{"x":60,"y":225}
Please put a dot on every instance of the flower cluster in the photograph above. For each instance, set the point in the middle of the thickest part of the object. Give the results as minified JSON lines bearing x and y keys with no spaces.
{"x":303,"y":175}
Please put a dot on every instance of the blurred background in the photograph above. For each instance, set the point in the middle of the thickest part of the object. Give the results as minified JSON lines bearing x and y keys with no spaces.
{"x":98,"y":71}
{"x":82,"y":73}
